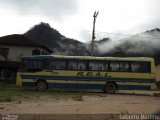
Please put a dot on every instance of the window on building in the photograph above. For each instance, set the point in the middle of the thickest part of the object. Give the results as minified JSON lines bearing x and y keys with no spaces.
{"x":44,"y":53}
{"x":4,"y":51}
{"x":36,"y":52}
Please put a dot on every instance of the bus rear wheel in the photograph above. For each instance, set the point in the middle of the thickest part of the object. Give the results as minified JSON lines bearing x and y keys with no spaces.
{"x":110,"y":88}
{"x":41,"y":85}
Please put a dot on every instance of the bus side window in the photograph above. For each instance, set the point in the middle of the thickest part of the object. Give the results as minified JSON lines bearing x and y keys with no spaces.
{"x":100,"y":65}
{"x":62,"y":67}
{"x":82,"y":65}
{"x":71,"y":67}
{"x":90,"y":67}
{"x":93,"y":65}
{"x":55,"y":64}
{"x":100,"y":68}
{"x":114,"y":66}
{"x":33,"y":65}
{"x":145,"y":67}
{"x":124,"y":66}
{"x":80,"y":68}
{"x":110,"y":68}
{"x":106,"y":66}
{"x":135,"y":67}
{"x":53,"y":67}
{"x":72,"y":64}
{"x":60,"y":64}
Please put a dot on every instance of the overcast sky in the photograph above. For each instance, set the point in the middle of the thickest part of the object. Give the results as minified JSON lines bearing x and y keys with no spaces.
{"x":74,"y":18}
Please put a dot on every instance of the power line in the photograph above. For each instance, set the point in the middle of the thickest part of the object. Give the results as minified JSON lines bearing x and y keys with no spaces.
{"x":124,"y":35}
{"x":129,"y":35}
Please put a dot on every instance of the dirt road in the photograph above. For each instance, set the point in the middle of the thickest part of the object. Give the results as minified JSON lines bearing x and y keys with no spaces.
{"x":96,"y":104}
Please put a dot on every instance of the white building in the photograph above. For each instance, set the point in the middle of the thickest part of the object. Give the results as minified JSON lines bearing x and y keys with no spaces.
{"x":12,"y":48}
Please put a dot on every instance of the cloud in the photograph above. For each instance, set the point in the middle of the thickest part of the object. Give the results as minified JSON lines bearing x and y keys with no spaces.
{"x":49,"y":8}
{"x":85,"y":35}
{"x":153,"y":9}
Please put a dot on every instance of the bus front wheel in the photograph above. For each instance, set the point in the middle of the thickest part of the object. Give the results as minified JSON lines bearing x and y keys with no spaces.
{"x":41,"y":85}
{"x":110,"y":88}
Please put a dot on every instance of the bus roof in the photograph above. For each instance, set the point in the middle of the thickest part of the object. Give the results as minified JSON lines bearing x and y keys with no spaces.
{"x":88,"y":58}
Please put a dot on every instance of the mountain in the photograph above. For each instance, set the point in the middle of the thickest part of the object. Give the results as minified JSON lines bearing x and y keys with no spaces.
{"x":44,"y":34}
{"x":142,"y":44}
{"x":102,"y":41}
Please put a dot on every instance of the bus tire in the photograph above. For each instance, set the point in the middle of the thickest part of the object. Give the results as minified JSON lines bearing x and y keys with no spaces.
{"x":41,"y":85}
{"x":110,"y":88}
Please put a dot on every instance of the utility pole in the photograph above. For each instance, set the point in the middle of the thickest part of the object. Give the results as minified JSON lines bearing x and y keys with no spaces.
{"x":93,"y":32}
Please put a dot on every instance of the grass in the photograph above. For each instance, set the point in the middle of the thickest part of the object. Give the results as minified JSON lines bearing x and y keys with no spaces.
{"x":11,"y":92}
{"x":6,"y":99}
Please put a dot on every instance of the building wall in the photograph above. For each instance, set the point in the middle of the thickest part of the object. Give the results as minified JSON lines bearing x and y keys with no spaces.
{"x":15,"y":52}
{"x":9,"y":67}
{"x":2,"y":58}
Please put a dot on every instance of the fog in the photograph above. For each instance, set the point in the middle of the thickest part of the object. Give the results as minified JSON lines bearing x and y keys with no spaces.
{"x":143,"y":43}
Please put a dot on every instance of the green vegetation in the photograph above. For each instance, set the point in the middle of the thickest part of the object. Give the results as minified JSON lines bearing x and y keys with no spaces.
{"x":5,"y":98}
{"x":11,"y":92}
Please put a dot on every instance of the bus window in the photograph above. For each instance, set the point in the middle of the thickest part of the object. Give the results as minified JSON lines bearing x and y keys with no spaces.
{"x":119,"y":66}
{"x":72,"y":64}
{"x":135,"y":67}
{"x":106,"y":66}
{"x":114,"y":66}
{"x":56,"y":64}
{"x":103,"y":65}
{"x":124,"y":66}
{"x":82,"y":65}
{"x":33,"y":65}
{"x":98,"y":65}
{"x":145,"y":67}
{"x":93,"y":65}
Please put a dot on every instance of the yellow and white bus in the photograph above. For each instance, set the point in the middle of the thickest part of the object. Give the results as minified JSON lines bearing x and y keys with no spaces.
{"x":107,"y":73}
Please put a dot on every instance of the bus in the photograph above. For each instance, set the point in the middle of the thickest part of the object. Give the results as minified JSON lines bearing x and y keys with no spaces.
{"x":109,"y":74}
